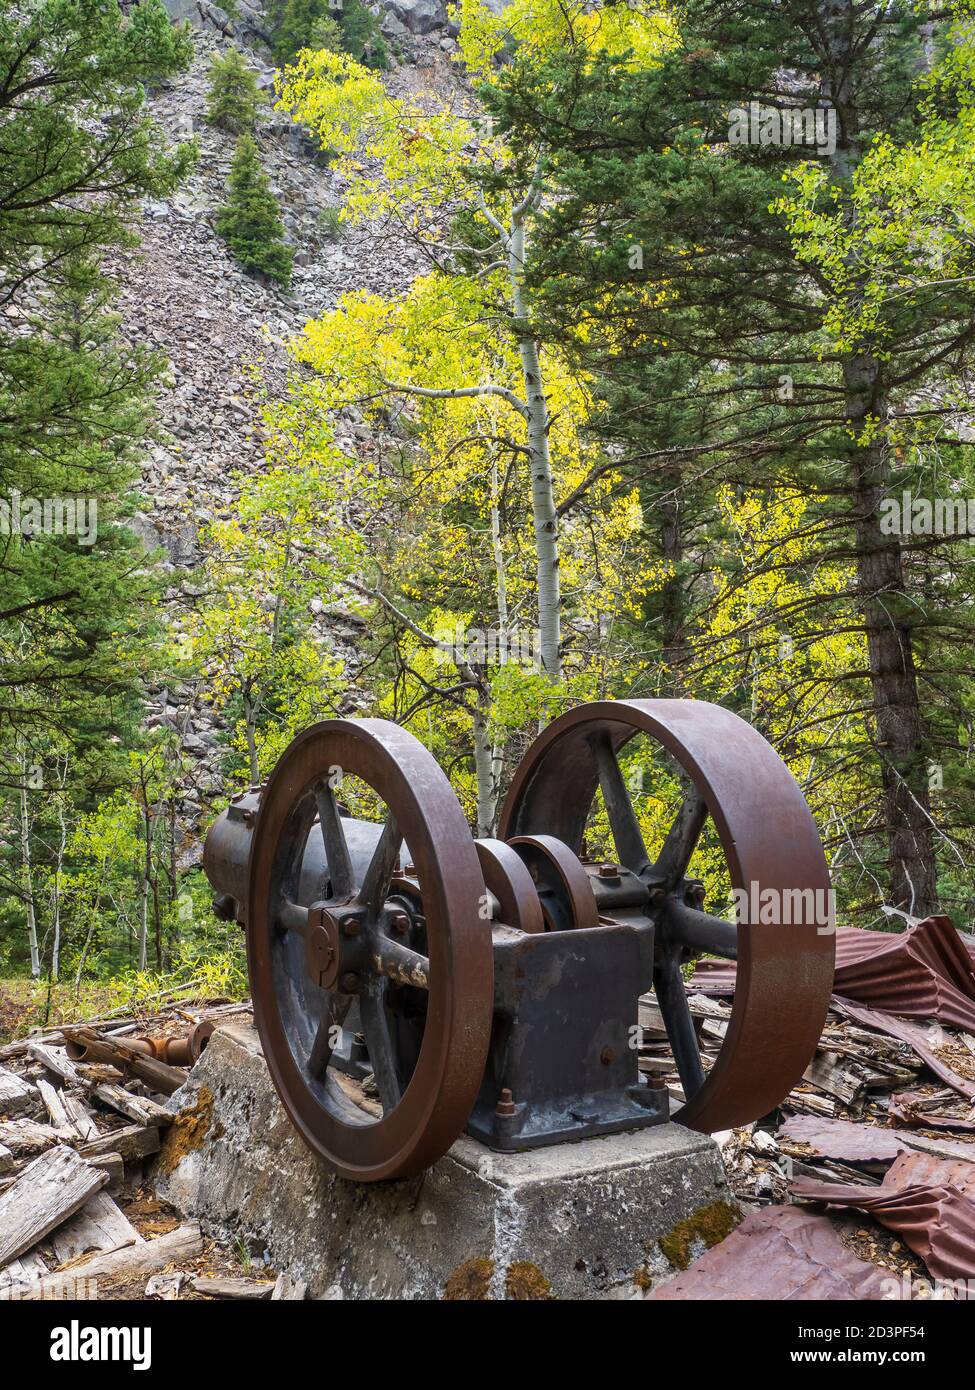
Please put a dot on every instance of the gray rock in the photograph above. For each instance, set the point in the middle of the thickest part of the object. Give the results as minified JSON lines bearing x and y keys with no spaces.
{"x":419,"y":16}
{"x":179,"y":10}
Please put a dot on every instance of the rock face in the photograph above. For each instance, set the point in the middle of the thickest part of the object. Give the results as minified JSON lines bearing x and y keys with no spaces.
{"x":182,"y":294}
{"x":604,"y":1218}
{"x":419,"y":16}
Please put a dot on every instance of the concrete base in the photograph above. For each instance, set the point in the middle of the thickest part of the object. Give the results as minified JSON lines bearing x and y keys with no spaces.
{"x":605,"y":1217}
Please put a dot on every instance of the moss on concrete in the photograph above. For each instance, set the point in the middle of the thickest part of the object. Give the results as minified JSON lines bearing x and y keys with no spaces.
{"x":524,"y":1281}
{"x":709,"y":1226}
{"x":470,"y":1281}
{"x":188,"y":1132}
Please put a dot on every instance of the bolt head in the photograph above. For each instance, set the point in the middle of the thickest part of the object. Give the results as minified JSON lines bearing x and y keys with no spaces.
{"x":505,"y":1105}
{"x":350,"y":925}
{"x":399,"y":923}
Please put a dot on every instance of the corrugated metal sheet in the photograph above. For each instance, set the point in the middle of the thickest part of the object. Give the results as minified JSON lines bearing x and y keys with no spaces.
{"x":906,"y":1107}
{"x":909,"y":1033}
{"x":930,"y":1202}
{"x":781,"y":1253}
{"x":925,"y":971}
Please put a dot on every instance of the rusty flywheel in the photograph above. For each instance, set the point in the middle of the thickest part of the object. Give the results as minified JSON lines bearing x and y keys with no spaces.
{"x":410,"y":982}
{"x":785,"y":970}
{"x":310,"y":964}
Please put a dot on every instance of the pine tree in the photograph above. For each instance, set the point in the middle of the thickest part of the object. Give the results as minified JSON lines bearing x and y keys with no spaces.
{"x":809,"y":375}
{"x":250,"y":221}
{"x":233,"y":97}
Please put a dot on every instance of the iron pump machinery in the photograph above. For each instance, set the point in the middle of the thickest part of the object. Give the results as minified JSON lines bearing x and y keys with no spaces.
{"x":411,"y":982}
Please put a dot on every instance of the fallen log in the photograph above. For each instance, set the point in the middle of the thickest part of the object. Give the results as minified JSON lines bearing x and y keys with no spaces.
{"x":159,"y":1075}
{"x":47,"y":1192}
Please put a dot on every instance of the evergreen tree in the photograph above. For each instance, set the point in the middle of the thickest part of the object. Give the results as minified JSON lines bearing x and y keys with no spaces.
{"x":807,"y":375}
{"x":250,"y":221}
{"x":233,"y":97}
{"x":74,"y":396}
{"x":344,"y":27}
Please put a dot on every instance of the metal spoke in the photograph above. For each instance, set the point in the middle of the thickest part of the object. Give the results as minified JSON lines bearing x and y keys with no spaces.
{"x":627,"y":835}
{"x":668,"y":984}
{"x":381,"y":1058}
{"x":326,"y":1035}
{"x":681,"y":841}
{"x":382,"y":866}
{"x":401,"y":964}
{"x":292,"y":917}
{"x":340,"y":872}
{"x":700,"y":931}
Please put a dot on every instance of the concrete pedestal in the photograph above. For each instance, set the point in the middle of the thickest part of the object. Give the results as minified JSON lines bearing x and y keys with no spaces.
{"x":605,"y":1217}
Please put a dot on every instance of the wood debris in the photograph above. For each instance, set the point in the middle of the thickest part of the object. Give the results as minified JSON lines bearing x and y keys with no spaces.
{"x":71,"y":1133}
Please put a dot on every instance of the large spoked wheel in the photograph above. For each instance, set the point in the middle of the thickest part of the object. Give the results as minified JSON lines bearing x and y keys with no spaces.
{"x":308,"y":965}
{"x":785,"y":970}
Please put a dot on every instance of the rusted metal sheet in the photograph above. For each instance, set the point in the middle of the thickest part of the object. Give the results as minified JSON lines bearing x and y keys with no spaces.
{"x":930,"y":1202}
{"x":909,"y":1108}
{"x":784,"y":1254}
{"x":844,"y":1140}
{"x":909,"y":1033}
{"x":925,"y":971}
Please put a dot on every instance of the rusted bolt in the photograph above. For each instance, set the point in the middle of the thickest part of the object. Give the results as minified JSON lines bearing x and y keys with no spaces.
{"x":350,"y":925}
{"x":349,"y":983}
{"x":399,"y":923}
{"x":657,"y":895}
{"x":656,"y":1083}
{"x":607,"y":1055}
{"x":697,"y":893}
{"x":609,"y":871}
{"x":410,"y":870}
{"x":505,"y":1105}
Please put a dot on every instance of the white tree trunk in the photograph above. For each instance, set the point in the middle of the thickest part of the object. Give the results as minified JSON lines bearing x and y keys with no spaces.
{"x":544,"y":515}
{"x":27,"y":875}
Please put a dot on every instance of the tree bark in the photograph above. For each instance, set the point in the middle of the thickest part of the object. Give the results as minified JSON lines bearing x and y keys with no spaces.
{"x":888,"y":619}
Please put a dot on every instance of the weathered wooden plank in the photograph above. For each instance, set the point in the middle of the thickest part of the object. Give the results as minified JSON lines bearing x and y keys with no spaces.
{"x":234,"y":1288}
{"x":80,"y":1117}
{"x":98,"y":1226}
{"x":132,"y":1142}
{"x":56,"y":1060}
{"x":112,"y":1164}
{"x":26,"y":1267}
{"x":24,"y":1137}
{"x":47,"y":1192}
{"x":16,"y":1094}
{"x":288,"y":1289}
{"x":165,"y":1286}
{"x":139,"y":1108}
{"x":185,"y":1243}
{"x":54,"y":1105}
